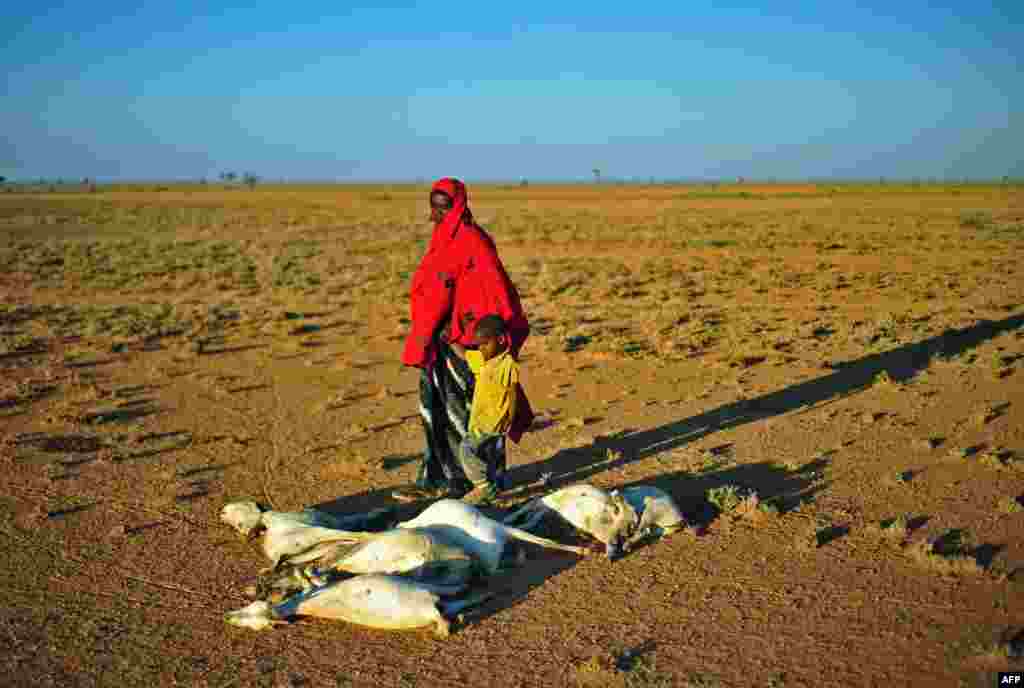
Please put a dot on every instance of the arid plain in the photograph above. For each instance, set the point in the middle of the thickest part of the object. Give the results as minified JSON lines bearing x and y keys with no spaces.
{"x":828,"y":378}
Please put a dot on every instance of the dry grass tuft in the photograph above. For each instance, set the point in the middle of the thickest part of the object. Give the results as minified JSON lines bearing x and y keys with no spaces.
{"x":1010,"y":505}
{"x":945,"y":554}
{"x":894,"y":529}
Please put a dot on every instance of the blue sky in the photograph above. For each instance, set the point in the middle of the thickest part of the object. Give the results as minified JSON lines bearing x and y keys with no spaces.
{"x":541,"y":90}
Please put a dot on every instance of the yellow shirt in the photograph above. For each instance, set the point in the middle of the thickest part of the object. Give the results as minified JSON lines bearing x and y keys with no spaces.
{"x":494,"y":399}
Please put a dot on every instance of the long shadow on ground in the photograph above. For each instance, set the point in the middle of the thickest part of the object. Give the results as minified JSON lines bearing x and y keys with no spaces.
{"x":580,"y":463}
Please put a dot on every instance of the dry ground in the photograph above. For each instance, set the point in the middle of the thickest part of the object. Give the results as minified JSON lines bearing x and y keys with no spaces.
{"x":851,"y":355}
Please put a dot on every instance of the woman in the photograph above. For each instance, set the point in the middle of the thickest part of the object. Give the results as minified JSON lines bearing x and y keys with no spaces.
{"x":459,"y":280}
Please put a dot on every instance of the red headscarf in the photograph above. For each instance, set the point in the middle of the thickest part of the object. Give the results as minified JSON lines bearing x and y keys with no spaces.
{"x":459,"y":213}
{"x":462,"y":255}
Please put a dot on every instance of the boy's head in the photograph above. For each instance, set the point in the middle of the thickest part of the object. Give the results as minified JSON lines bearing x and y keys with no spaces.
{"x":491,"y":336}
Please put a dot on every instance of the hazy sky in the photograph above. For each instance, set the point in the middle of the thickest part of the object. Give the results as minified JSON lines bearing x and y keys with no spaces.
{"x":542,"y":90}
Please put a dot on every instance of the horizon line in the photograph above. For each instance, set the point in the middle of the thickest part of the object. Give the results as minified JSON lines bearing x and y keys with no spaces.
{"x":516,"y":181}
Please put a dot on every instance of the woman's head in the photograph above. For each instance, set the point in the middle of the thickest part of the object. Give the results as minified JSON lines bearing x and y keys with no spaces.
{"x":448,"y":195}
{"x":440,"y":204}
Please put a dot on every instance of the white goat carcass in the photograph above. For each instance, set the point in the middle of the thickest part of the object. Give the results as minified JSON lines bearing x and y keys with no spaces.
{"x":606,"y":517}
{"x":659,"y":514}
{"x":484,"y":537}
{"x":290,"y":540}
{"x":287,"y":533}
{"x":424,"y":554}
{"x":374,"y":600}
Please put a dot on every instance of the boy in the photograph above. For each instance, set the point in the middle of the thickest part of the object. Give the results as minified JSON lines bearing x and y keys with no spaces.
{"x":496,"y":400}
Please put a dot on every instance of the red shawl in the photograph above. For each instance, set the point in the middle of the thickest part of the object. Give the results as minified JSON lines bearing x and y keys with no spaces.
{"x":459,"y":280}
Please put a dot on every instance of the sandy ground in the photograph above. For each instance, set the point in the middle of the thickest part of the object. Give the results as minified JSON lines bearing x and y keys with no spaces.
{"x":852,"y":355}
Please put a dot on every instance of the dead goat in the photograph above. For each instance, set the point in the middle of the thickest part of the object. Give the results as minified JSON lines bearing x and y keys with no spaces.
{"x":484,"y":537}
{"x":659,"y":514}
{"x":290,"y":540}
{"x":424,"y":554}
{"x":607,"y":517}
{"x":374,"y":600}
{"x":287,"y":533}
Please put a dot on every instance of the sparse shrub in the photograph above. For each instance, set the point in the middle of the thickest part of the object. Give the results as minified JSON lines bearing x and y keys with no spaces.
{"x":882,"y":379}
{"x":903,"y":477}
{"x":894,"y":528}
{"x":986,"y":415}
{"x":964,"y":452}
{"x":975,"y":219}
{"x":946,"y":553}
{"x":1010,"y":505}
{"x":575,"y":343}
{"x":1000,"y":459}
{"x":624,"y":669}
{"x":726,"y":498}
{"x":642,"y":672}
{"x":19,"y":342}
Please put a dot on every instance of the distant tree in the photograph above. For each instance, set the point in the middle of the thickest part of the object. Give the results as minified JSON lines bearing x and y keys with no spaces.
{"x":739,"y":180}
{"x":524,"y":182}
{"x":202,"y":181}
{"x":250,"y":180}
{"x":597,"y":175}
{"x":228,"y":177}
{"x":2,"y":179}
